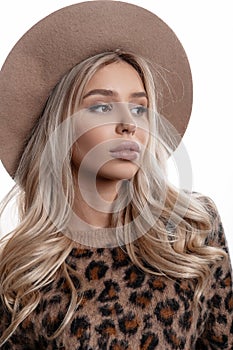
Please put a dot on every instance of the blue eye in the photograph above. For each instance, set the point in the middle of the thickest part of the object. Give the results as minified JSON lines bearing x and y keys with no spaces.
{"x":139,"y":111}
{"x":100,"y":108}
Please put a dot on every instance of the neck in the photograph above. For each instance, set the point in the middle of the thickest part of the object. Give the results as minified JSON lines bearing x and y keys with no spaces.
{"x":93,"y":201}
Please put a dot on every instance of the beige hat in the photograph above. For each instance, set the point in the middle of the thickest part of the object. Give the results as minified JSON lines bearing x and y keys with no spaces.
{"x":64,"y":38}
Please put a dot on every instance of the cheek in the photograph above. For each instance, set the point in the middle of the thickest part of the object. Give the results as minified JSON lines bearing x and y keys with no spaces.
{"x":142,"y":130}
{"x":89,"y":140}
{"x":142,"y":136}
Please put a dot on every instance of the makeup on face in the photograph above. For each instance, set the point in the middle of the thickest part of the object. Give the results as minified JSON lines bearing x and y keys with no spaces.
{"x":127,"y":150}
{"x":113,"y":123}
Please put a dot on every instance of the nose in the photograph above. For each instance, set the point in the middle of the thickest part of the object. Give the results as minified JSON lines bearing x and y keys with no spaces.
{"x":125,"y":128}
{"x":126,"y":124}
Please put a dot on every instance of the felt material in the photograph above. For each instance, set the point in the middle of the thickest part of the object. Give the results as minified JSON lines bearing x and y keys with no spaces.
{"x":66,"y":37}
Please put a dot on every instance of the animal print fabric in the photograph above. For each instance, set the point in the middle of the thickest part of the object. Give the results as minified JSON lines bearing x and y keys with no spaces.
{"x":124,"y":308}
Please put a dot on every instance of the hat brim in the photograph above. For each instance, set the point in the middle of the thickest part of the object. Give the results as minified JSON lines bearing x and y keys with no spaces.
{"x":66,"y":37}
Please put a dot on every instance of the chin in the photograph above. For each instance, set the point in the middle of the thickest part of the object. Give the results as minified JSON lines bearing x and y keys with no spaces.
{"x":118,"y":170}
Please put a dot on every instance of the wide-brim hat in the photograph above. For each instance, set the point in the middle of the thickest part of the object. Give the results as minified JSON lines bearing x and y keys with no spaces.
{"x":68,"y":36}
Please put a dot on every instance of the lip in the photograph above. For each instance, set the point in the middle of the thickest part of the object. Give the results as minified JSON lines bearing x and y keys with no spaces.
{"x":127,"y":150}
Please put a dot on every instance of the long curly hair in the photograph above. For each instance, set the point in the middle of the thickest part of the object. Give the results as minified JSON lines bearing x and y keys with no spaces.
{"x":170,"y":234}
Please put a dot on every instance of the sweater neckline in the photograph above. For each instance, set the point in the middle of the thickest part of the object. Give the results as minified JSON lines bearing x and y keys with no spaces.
{"x":101,"y":237}
{"x":105,"y":237}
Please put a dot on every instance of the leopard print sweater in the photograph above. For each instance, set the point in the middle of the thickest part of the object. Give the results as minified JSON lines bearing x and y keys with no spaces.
{"x":124,"y":308}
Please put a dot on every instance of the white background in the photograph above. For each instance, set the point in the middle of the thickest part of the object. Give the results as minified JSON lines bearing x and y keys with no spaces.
{"x":205,"y":29}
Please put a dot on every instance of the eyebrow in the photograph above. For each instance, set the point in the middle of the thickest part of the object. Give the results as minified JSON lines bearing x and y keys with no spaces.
{"x":106,"y":92}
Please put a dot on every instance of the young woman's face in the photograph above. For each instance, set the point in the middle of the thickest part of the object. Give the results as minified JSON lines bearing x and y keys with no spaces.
{"x":112,"y":123}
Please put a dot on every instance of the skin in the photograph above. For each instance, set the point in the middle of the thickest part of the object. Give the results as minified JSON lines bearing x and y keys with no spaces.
{"x":111,"y":111}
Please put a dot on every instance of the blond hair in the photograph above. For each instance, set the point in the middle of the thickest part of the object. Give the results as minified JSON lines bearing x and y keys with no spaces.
{"x":33,"y":254}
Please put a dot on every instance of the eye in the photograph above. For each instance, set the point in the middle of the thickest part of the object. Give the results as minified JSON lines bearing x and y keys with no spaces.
{"x":139,"y":111}
{"x":100,"y":108}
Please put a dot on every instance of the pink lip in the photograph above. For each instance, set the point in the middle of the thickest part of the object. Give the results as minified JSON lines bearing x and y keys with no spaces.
{"x":127,"y":150}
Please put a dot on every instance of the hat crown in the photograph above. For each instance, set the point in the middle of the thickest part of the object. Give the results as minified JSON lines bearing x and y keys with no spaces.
{"x":66,"y":37}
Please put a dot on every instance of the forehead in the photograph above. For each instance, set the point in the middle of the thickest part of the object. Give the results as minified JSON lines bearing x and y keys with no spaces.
{"x":116,"y":75}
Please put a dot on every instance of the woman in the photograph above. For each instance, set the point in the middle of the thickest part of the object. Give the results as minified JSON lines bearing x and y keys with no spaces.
{"x":108,"y":255}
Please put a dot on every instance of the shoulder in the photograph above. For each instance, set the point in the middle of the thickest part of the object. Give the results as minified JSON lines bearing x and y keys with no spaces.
{"x":210,"y":210}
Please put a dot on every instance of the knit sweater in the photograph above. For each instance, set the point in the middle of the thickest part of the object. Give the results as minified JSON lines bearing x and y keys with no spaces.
{"x":125,"y":308}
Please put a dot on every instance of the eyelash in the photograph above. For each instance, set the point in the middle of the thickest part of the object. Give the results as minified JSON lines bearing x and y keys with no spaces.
{"x":97,"y":106}
{"x":108,"y":108}
{"x":142,"y":109}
